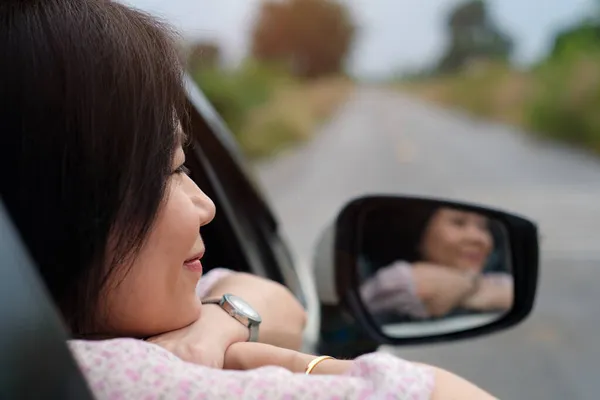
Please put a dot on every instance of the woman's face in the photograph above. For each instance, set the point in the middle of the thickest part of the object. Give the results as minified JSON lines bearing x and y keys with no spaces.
{"x":157,"y":293}
{"x":457,"y":239}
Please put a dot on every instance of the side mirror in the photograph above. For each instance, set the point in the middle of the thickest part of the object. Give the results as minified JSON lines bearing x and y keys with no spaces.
{"x":414,"y":270}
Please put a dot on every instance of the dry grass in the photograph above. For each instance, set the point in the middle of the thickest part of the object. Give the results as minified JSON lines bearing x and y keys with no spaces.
{"x":496,"y":93}
{"x":292,"y":115}
{"x":558,"y":100}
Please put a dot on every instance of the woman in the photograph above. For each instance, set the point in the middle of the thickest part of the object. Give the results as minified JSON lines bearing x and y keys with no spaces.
{"x":445,"y":253}
{"x":54,"y":126}
{"x":92,"y":105}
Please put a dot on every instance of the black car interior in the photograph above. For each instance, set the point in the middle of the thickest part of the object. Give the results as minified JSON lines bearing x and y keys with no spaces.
{"x":34,"y":359}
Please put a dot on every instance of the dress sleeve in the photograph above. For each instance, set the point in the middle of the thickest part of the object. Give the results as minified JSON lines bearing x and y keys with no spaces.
{"x":392,"y":288}
{"x":133,"y":369}
{"x":499,"y":278}
{"x":208,"y":281}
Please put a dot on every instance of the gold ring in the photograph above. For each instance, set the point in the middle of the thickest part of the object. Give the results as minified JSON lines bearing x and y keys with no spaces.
{"x":311,"y":365}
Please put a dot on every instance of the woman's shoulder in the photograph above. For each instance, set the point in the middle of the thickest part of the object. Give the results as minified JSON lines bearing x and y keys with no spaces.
{"x":100,"y":359}
{"x":131,"y":368}
{"x":128,"y":348}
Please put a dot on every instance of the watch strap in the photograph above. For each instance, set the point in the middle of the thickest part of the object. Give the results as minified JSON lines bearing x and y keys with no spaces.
{"x":230,"y":309}
{"x":214,"y":300}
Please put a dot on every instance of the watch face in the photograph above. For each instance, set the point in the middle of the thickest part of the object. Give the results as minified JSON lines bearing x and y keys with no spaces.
{"x":244,"y":308}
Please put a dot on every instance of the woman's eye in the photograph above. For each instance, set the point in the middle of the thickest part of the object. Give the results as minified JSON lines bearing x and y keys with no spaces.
{"x":183,"y":170}
{"x":459,"y":221}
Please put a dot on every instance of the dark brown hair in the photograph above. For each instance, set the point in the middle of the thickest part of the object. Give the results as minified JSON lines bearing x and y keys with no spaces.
{"x":90,"y":91}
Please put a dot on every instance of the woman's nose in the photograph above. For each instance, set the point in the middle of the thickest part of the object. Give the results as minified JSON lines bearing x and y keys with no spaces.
{"x":475,"y":234}
{"x":203,"y":203}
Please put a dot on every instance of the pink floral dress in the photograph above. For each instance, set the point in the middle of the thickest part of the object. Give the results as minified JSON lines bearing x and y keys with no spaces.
{"x":133,"y":369}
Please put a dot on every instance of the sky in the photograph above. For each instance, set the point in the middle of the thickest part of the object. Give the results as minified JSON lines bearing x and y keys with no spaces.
{"x":395,"y":35}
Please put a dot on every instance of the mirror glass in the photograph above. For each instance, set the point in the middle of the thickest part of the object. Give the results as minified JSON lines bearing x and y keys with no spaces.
{"x":429,"y":269}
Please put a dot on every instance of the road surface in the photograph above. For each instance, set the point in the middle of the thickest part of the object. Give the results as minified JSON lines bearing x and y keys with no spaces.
{"x":382,"y":142}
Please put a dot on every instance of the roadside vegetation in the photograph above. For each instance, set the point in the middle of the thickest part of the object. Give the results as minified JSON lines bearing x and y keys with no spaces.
{"x":557,"y":98}
{"x":292,"y":81}
{"x":269,"y":110}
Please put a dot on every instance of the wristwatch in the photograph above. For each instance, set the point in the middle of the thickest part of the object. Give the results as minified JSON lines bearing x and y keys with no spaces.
{"x":240,"y":310}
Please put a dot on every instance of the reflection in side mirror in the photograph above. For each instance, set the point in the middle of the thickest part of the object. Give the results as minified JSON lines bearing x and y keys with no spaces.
{"x":419,"y":270}
{"x":433,"y":269}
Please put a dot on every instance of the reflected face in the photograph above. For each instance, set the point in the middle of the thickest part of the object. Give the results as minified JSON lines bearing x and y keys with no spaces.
{"x":157,"y":294}
{"x":457,"y":239}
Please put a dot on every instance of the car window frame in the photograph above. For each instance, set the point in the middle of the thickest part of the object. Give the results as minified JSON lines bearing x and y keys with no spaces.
{"x":237,"y":192}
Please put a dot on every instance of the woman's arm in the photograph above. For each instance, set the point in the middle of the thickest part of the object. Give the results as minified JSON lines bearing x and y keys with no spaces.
{"x":130,"y":369}
{"x":392,"y":288}
{"x":420,"y":290}
{"x":127,"y":368}
{"x":283,"y":317}
{"x":206,"y":340}
{"x":443,"y":384}
{"x":495,"y":292}
{"x":449,"y":386}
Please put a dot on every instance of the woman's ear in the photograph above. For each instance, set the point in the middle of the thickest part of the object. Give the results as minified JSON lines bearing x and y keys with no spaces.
{"x":427,"y":217}
{"x":421,"y":247}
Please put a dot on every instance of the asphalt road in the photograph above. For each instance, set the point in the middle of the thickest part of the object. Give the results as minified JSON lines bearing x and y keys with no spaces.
{"x":382,"y":142}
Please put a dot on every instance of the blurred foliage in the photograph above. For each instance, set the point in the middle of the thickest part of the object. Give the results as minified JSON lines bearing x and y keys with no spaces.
{"x":234,"y":92}
{"x":574,"y":41}
{"x":486,"y":89}
{"x":473,"y":36}
{"x":203,"y":55}
{"x":266,"y":108}
{"x":292,"y":81}
{"x":566,"y":102}
{"x":312,"y":38}
{"x":292,"y":116}
{"x":559,"y":98}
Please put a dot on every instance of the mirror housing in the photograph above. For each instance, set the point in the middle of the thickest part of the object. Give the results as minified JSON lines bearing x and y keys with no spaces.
{"x":341,"y":243}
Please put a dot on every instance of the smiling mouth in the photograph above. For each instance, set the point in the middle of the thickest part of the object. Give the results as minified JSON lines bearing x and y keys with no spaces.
{"x":476,"y":257}
{"x":191,"y":260}
{"x":194,"y":264}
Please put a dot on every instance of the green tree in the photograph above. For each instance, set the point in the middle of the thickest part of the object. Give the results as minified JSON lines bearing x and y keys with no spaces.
{"x":473,"y":35}
{"x":311,"y":38}
{"x":579,"y":39}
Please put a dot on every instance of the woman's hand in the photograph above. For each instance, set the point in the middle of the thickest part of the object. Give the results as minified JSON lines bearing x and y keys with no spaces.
{"x":205,"y":341}
{"x":441,"y":289}
{"x":245,"y":356}
{"x":495,"y":292}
